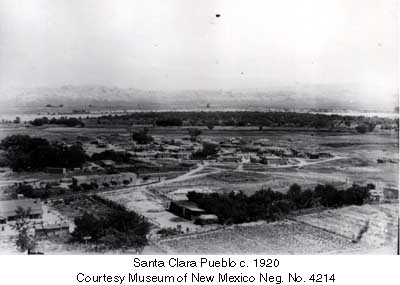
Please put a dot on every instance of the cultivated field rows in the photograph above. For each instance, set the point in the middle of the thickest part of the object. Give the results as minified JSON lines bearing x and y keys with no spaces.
{"x":370,"y":224}
{"x":283,"y":237}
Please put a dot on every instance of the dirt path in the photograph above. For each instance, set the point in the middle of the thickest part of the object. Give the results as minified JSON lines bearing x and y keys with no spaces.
{"x":305,"y":163}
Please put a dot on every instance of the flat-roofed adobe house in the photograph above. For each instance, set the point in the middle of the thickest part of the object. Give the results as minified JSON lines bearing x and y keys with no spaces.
{"x":8,"y":209}
{"x":206,"y":219}
{"x":33,"y":182}
{"x":185,"y":209}
{"x":183,"y":155}
{"x":52,"y":229}
{"x":107,"y":163}
{"x":56,"y":170}
{"x":390,"y":192}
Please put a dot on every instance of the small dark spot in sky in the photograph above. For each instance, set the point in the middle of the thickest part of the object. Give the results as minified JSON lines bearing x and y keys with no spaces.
{"x":242,"y":73}
{"x":217,"y":15}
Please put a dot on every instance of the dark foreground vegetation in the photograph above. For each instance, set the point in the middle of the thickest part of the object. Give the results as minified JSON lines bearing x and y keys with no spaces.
{"x":23,"y":152}
{"x":117,"y":229}
{"x":261,"y":119}
{"x":268,"y":205}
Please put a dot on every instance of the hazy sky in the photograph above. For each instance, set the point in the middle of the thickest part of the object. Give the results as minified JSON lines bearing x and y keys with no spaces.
{"x":169,"y":44}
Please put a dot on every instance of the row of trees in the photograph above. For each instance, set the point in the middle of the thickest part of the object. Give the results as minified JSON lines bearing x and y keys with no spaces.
{"x":267,"y":119}
{"x":169,"y":122}
{"x":269,"y":205}
{"x":69,"y":122}
{"x":118,"y":157}
{"x":23,"y":152}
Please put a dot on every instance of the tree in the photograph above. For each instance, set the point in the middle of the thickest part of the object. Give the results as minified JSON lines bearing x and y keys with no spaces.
{"x":73,"y":156}
{"x":26,"y":153}
{"x":371,"y":126}
{"x":26,"y":190}
{"x":87,"y":226}
{"x":25,"y":240}
{"x":362,"y":129}
{"x":194,"y":133}
{"x":210,"y":126}
{"x":112,"y":155}
{"x":119,"y":228}
{"x":209,"y":149}
{"x":142,"y":137}
{"x":294,"y":194}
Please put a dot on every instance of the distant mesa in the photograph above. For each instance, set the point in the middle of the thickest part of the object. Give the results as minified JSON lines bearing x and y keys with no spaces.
{"x":102,"y":97}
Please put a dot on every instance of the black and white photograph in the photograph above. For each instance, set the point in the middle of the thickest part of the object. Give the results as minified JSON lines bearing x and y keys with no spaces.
{"x":199,"y":127}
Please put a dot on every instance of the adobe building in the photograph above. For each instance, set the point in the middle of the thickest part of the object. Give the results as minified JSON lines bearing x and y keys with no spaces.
{"x":185,"y":209}
{"x":8,"y":209}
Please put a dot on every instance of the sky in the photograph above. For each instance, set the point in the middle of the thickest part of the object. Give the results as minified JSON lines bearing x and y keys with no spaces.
{"x":174,"y":45}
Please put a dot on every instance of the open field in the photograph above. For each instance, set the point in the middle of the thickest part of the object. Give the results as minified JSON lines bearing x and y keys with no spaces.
{"x":284,"y":237}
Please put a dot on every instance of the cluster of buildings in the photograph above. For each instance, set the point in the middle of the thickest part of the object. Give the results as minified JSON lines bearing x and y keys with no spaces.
{"x":10,"y":211}
{"x":384,"y":193}
{"x":160,"y":148}
{"x":262,"y":151}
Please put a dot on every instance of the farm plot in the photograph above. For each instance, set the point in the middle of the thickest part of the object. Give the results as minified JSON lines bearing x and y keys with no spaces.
{"x":154,"y":209}
{"x":75,"y":207}
{"x":373,"y":225}
{"x":284,"y":237}
{"x":238,"y":177}
{"x":181,"y":193}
